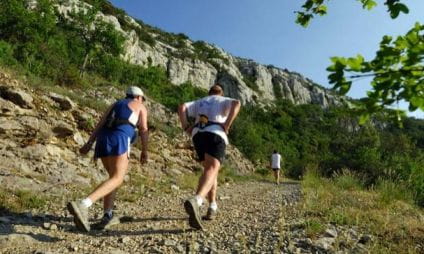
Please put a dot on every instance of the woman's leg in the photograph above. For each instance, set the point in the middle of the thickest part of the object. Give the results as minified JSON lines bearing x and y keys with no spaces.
{"x":108,"y":200}
{"x":117,"y":167}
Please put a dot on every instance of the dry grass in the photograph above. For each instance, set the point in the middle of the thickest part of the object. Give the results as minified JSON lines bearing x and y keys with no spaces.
{"x":20,"y":201}
{"x":397,"y":224}
{"x":188,"y":181}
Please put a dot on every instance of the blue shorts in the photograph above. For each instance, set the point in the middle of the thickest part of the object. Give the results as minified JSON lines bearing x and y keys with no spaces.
{"x":112,"y":143}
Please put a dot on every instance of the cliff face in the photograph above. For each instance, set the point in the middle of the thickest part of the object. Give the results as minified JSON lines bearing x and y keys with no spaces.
{"x":233,"y":74}
{"x":241,"y":78}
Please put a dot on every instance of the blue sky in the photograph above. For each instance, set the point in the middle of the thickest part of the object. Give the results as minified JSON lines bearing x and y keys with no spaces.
{"x":265,"y":31}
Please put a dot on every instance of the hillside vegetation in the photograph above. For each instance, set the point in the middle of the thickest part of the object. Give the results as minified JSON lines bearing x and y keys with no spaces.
{"x":64,"y":52}
{"x":362,"y":187}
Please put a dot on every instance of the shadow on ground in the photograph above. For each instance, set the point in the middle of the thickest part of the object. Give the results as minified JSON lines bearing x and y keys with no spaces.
{"x":9,"y":219}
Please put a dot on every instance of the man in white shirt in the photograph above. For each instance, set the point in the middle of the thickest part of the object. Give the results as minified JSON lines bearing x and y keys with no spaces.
{"x":213,"y":115}
{"x":275,"y":165}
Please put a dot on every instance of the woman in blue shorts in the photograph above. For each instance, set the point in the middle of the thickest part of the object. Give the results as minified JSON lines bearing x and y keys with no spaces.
{"x":113,"y":135}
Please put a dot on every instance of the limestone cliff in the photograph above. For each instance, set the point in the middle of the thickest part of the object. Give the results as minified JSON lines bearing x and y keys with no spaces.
{"x":243,"y":79}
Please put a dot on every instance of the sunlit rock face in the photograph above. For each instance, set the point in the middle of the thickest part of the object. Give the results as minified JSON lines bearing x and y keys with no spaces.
{"x":243,"y":79}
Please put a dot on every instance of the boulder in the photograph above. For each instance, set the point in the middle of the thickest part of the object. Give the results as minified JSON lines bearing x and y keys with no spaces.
{"x":7,"y":124}
{"x":17,"y":96}
{"x":63,"y":129}
{"x":64,"y":102}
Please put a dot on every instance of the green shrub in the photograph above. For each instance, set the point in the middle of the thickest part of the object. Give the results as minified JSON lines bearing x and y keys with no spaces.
{"x":277,"y":90}
{"x":6,"y":54}
{"x":313,"y":227}
{"x":417,"y":184}
{"x":262,"y":171}
{"x":250,"y":81}
{"x":347,"y":180}
{"x":391,"y":191}
{"x":70,"y":77}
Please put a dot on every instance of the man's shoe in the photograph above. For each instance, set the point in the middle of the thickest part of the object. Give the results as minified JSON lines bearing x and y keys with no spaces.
{"x":210,"y":215}
{"x":80,"y":214}
{"x":192,"y":210}
{"x":106,"y":222}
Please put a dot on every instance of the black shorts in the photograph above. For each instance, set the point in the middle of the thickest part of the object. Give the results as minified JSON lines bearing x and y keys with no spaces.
{"x":275,"y":169}
{"x":210,"y":143}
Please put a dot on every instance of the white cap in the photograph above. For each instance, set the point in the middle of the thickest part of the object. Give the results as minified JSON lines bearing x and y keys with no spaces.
{"x":135,"y":91}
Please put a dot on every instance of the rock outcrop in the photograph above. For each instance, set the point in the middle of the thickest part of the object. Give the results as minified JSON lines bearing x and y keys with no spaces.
{"x":242,"y":79}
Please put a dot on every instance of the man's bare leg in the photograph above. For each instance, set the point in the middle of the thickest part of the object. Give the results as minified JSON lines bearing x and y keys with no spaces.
{"x":212,"y":193}
{"x":277,"y":176}
{"x":206,"y":183}
{"x":209,"y":176}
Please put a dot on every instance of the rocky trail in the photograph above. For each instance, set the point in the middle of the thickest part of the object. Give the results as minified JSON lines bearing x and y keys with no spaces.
{"x":248,"y":221}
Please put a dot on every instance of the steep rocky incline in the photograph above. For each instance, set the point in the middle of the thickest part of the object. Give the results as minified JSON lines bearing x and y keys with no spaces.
{"x":41,"y":132}
{"x":243,"y":79}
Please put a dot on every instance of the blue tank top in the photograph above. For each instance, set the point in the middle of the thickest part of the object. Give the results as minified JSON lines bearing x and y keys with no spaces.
{"x":122,"y":111}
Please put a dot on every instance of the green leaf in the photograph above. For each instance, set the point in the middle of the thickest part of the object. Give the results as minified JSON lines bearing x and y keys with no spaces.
{"x":321,"y":10}
{"x":403,"y":8}
{"x":363,"y":118}
{"x":417,"y":102}
{"x":394,"y":11}
{"x":368,"y":4}
{"x":308,"y":5}
{"x":303,"y":19}
{"x":355,"y":64}
{"x":386,"y":40}
{"x":345,"y":87}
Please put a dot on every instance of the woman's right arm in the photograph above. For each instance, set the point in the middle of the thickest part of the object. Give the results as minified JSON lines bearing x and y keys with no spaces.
{"x":144,"y":134}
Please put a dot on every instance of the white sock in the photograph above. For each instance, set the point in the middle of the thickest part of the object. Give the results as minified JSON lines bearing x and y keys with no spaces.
{"x":213,"y":206}
{"x":199,"y":200}
{"x":86,"y":202}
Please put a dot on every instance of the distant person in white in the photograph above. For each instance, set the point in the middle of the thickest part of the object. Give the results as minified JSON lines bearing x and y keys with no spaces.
{"x":213,"y":115}
{"x":276,"y":165}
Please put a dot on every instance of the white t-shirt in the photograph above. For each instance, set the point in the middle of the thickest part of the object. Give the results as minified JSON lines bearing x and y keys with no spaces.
{"x":216,"y":108}
{"x":275,"y":160}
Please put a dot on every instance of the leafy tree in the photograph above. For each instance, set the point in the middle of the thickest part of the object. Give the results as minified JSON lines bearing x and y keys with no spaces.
{"x":398,"y":67}
{"x":97,"y":35}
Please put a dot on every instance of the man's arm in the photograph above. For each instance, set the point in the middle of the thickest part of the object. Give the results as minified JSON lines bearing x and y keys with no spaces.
{"x":144,"y":134}
{"x":234,"y":110}
{"x":182,"y":113}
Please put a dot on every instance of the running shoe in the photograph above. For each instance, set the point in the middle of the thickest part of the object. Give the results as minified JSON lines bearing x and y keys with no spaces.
{"x":106,"y":222}
{"x":192,"y":209}
{"x":80,"y":214}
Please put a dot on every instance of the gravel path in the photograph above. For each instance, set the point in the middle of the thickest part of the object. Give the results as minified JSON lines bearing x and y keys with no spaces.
{"x":248,"y":222}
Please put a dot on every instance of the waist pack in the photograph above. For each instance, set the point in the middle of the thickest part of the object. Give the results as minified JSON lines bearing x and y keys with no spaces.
{"x":204,"y":122}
